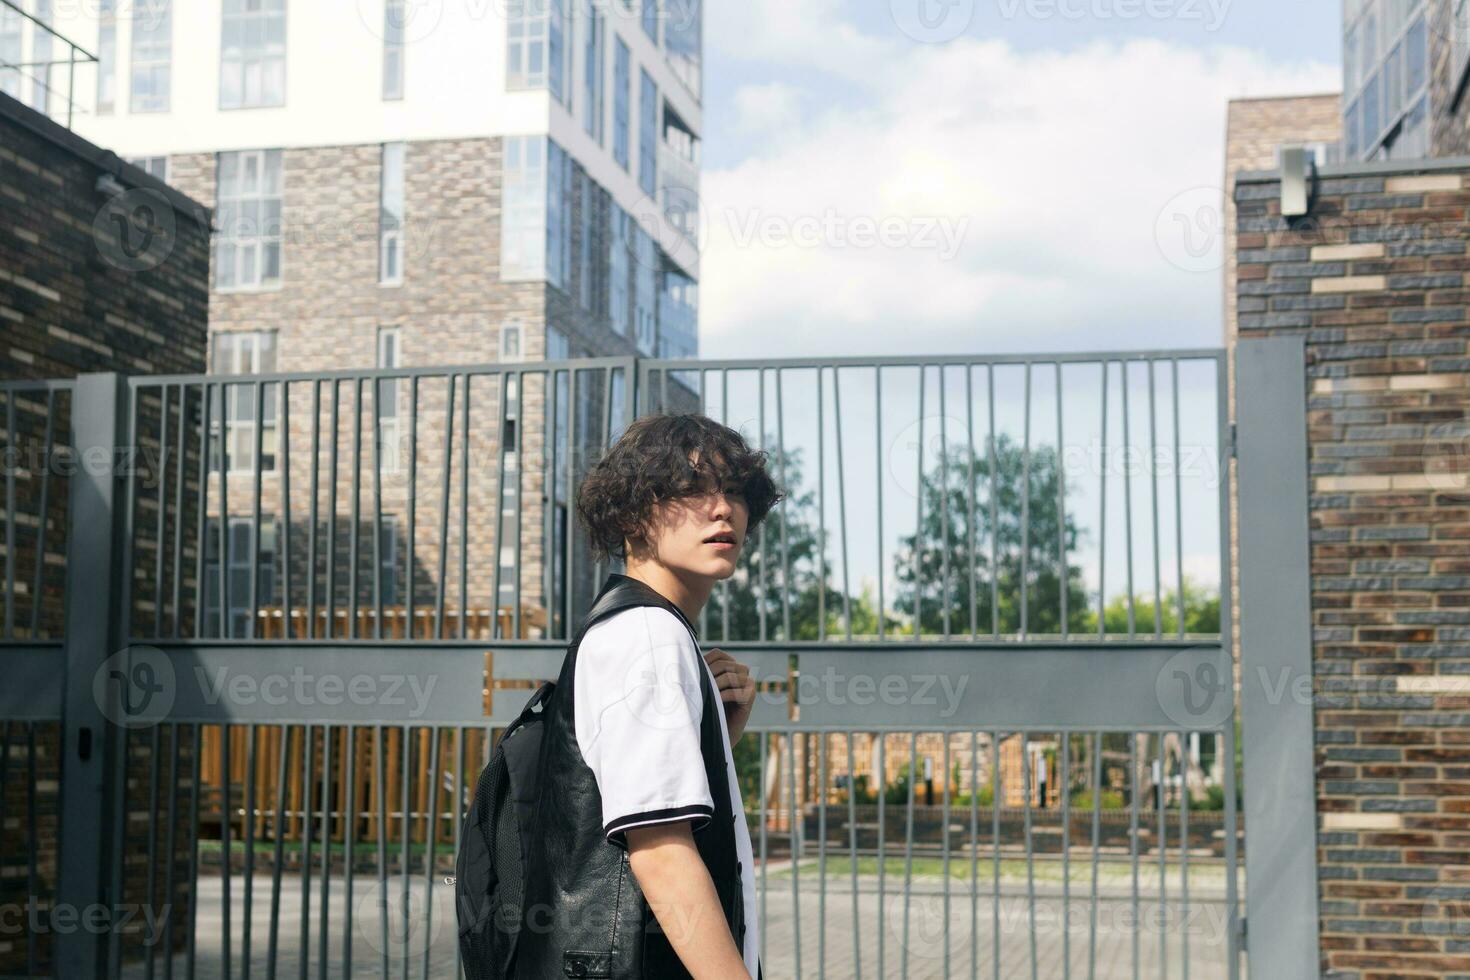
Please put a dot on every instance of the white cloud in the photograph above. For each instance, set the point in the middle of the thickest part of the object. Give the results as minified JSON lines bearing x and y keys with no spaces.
{"x":1054,"y":164}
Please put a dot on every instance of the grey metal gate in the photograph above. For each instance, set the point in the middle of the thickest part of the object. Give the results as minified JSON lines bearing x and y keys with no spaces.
{"x":298,"y":606}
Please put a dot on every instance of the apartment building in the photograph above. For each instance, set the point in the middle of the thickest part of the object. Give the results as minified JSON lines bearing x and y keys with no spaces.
{"x":1405,"y":65}
{"x":406,"y":183}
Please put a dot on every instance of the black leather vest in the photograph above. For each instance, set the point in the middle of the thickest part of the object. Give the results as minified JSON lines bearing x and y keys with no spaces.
{"x":584,"y":913}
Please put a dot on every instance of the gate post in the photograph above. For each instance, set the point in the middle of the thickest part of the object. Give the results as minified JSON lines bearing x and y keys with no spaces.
{"x":89,"y":783}
{"x":1276,"y":657}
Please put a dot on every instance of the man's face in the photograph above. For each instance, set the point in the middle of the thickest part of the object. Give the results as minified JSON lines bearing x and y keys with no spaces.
{"x":701,"y":534}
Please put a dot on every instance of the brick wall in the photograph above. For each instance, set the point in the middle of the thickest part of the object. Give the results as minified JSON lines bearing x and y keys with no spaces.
{"x":1375,"y":281}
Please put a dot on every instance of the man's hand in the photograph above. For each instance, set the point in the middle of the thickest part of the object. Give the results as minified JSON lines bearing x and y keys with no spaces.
{"x":737,"y":690}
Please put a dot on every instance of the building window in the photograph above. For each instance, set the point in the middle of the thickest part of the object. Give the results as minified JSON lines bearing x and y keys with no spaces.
{"x":678,"y":316}
{"x":388,"y":592}
{"x":390,"y":216}
{"x":244,"y":353}
{"x":618,"y":269}
{"x":650,"y":19}
{"x":152,"y":166}
{"x":152,"y":55}
{"x":523,"y":209}
{"x":1385,"y":76}
{"x":11,"y":42}
{"x":588,"y":251}
{"x":252,"y":70}
{"x":394,"y":14}
{"x":622,"y":75}
{"x":558,"y":216}
{"x":647,"y":134}
{"x":1461,"y":55}
{"x":241,"y":544}
{"x":510,"y":342}
{"x":248,"y":216}
{"x":683,"y":41}
{"x":43,"y":73}
{"x":536,"y":57}
{"x":557,"y":346}
{"x":645,"y":289}
{"x":106,"y":55}
{"x":389,"y":429}
{"x":593,"y":106}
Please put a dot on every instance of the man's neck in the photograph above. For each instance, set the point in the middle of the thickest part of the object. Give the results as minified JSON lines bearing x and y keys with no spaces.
{"x":688,"y":592}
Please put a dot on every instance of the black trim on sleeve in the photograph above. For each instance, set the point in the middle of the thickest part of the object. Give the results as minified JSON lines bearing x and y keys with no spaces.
{"x":700,"y":813}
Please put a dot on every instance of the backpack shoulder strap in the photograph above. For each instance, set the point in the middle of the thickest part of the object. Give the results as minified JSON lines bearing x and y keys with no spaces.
{"x":623,"y":592}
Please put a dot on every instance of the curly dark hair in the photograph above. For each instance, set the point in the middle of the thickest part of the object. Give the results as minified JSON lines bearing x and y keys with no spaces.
{"x":650,"y":463}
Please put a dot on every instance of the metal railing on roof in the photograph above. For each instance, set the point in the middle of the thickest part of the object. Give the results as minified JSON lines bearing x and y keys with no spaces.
{"x":76,"y":55}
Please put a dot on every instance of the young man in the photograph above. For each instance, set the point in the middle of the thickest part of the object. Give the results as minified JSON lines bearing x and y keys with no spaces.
{"x":643,"y":865}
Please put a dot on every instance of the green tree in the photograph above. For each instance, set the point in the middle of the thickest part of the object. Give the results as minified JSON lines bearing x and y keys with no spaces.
{"x":1201,"y":611}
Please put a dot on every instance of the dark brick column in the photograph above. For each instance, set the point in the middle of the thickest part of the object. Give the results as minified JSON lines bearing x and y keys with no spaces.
{"x":1374,"y":278}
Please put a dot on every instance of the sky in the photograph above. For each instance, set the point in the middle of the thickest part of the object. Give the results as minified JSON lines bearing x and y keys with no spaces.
{"x":988,"y":176}
{"x":959,"y":176}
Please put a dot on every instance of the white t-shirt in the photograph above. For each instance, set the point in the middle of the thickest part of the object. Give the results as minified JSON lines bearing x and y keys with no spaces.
{"x":639,"y":706}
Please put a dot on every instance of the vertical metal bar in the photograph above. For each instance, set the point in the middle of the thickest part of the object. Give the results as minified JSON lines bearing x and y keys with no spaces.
{"x":994,"y":517}
{"x":4,"y":781}
{"x":158,"y":531}
{"x":975,"y":847}
{"x":308,"y":758}
{"x":1133,"y":836}
{"x":278,"y":829}
{"x":1026,"y":784}
{"x":459,"y":813}
{"x":443,"y":516}
{"x":724,"y":585}
{"x":785,"y":554}
{"x":498,"y":525}
{"x":226,"y":873}
{"x":822,"y":856}
{"x":760,"y":602}
{"x":41,"y":514}
{"x":944,"y":834}
{"x":1026,"y":507}
{"x":841,"y":500}
{"x":1232,"y":856}
{"x":311,"y":524}
{"x":852,"y":851}
{"x":765,"y":749}
{"x":322,"y":931}
{"x":405,"y":828}
{"x":572,"y":453}
{"x":180,"y":457}
{"x":33,"y":851}
{"x":201,"y":598}
{"x":1128,"y":499}
{"x":349,"y":843}
{"x":354,"y":626}
{"x":794,"y":839}
{"x":193,"y":851}
{"x":464,"y":520}
{"x":377,"y":511}
{"x":1161,"y":801}
{"x":1064,"y":576}
{"x":882,"y":784}
{"x":412,"y":505}
{"x":432,"y":834}
{"x":821,"y":515}
{"x":882,"y":608}
{"x":970,"y":493}
{"x":918,"y":538}
{"x":331,"y":542}
{"x":943,"y":507}
{"x":1178,"y":505}
{"x":908,"y":843}
{"x":1102,"y":520}
{"x":1065,"y":781}
{"x":248,"y":830}
{"x":283,"y":446}
{"x":1153,"y":488}
{"x":995,"y":802}
{"x":226,"y":619}
{"x":11,"y":447}
{"x":380,"y":760}
{"x":550,"y":460}
{"x":1097,"y":790}
{"x":1185,"y":757}
{"x":253,"y":631}
{"x":170,"y":834}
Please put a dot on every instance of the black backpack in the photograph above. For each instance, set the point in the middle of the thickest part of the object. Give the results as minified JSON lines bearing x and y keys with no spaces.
{"x":493,"y":850}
